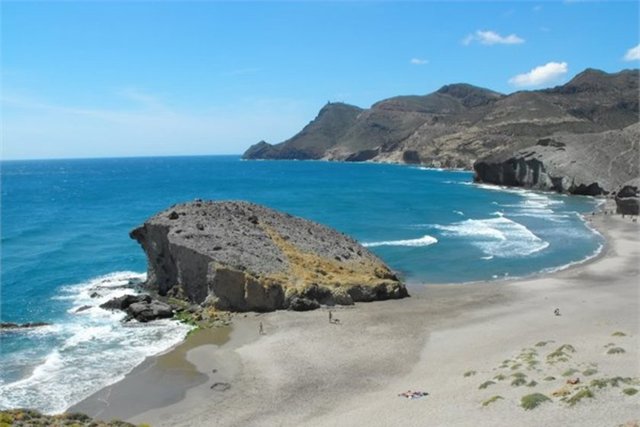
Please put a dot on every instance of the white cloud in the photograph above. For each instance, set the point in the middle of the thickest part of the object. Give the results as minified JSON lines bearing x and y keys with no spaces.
{"x":633,"y":54}
{"x":491,"y":37}
{"x":543,"y":74}
{"x":418,"y":61}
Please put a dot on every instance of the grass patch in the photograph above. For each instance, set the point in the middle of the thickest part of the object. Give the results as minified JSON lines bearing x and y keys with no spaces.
{"x":516,"y":366}
{"x":469,"y":374}
{"x":500,"y":377}
{"x":532,"y":401}
{"x":517,"y":382}
{"x":569,"y":372}
{"x":590,"y":371}
{"x":618,"y":334}
{"x":519,"y":375}
{"x":561,"y":354}
{"x":599,"y":383}
{"x":579,"y":395}
{"x":486,"y":384}
{"x":616,"y":350}
{"x":490,"y":400}
{"x":549,"y":378}
{"x":532,"y":383}
{"x":542,"y":343}
{"x":630,"y":391}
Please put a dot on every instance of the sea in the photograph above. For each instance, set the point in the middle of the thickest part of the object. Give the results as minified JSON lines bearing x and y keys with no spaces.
{"x":66,"y":248}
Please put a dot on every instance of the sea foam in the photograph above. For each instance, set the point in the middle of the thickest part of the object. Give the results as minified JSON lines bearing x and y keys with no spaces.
{"x":96,"y":349}
{"x":422,"y":241}
{"x":497,"y":237}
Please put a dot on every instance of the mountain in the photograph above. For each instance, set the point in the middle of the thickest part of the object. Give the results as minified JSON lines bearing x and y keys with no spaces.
{"x":460,"y":123}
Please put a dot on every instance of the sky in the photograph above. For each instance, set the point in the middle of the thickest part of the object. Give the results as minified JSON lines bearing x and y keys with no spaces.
{"x":110,"y":79}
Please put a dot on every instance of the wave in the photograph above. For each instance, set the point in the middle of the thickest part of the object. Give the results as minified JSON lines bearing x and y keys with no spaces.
{"x":94,"y":348}
{"x":497,"y":237}
{"x":422,"y":241}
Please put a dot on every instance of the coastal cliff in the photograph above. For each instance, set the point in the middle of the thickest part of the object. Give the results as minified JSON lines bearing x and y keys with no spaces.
{"x":588,"y":164}
{"x":240,"y":256}
{"x":460,"y":123}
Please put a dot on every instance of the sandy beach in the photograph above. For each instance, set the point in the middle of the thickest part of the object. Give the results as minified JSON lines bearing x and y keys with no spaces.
{"x":462,"y":344}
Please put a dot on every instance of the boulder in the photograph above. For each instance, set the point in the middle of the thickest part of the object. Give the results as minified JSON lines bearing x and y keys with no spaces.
{"x":628,"y":198}
{"x":121,"y":303}
{"x":148,"y":311}
{"x":240,"y":256}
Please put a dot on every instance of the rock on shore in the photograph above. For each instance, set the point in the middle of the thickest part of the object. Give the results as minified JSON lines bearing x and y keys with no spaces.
{"x":241,"y":256}
{"x":628,"y":198}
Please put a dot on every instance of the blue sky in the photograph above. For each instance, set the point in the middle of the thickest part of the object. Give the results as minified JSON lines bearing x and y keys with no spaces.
{"x":96,"y":79}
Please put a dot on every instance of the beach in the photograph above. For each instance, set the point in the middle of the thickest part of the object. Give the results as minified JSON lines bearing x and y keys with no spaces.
{"x":445,"y":340}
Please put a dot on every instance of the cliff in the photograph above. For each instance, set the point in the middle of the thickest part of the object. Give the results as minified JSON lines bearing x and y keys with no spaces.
{"x":241,"y":256}
{"x":628,"y":198}
{"x":587,"y":164}
{"x":460,"y":123}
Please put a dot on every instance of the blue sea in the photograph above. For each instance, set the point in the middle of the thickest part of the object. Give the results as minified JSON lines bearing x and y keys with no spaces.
{"x":65,"y":226}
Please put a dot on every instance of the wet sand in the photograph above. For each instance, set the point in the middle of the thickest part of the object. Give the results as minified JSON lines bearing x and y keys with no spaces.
{"x":308,"y":371}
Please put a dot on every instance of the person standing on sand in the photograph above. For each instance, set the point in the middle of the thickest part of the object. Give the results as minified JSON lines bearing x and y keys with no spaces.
{"x":330,"y":317}
{"x":260,"y":329}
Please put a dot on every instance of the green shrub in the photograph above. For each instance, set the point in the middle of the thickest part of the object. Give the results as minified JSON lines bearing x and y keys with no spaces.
{"x":630,"y":391}
{"x":616,"y":350}
{"x":490,"y":400}
{"x":531,"y":401}
{"x":486,"y":384}
{"x":500,"y":377}
{"x":618,"y":334}
{"x":517,"y":382}
{"x":532,"y":383}
{"x":569,"y":372}
{"x":590,"y":371}
{"x":579,"y":395}
{"x":469,"y":373}
{"x":549,"y":378}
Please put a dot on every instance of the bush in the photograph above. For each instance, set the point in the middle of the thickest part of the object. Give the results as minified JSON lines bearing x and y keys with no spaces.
{"x":531,"y":401}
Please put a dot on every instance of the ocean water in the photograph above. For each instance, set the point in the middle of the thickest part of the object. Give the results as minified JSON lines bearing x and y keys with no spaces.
{"x":65,"y":226}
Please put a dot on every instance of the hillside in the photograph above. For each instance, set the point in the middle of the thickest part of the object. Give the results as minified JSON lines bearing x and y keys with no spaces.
{"x":460,"y":123}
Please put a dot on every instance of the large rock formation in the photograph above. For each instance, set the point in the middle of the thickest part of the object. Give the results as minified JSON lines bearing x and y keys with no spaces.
{"x":241,"y":256}
{"x":588,"y":164}
{"x":460,"y":123}
{"x":628,"y":198}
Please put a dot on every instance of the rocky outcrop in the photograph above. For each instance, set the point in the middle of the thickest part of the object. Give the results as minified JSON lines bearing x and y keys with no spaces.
{"x":10,"y":325}
{"x":241,"y":256}
{"x":628,"y":198}
{"x":589,"y":164}
{"x":460,"y":123}
{"x":140,"y":307}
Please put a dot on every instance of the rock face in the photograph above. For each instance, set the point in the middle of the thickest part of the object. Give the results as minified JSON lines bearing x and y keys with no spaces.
{"x":588,"y":164}
{"x":241,"y":256}
{"x":140,"y":307}
{"x":459,"y":123}
{"x":628,"y":198}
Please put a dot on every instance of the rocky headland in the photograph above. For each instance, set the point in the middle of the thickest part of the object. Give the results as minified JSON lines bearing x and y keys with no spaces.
{"x":579,"y":138}
{"x":240,"y":256}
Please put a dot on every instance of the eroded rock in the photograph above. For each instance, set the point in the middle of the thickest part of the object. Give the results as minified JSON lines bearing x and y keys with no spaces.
{"x":244,"y":257}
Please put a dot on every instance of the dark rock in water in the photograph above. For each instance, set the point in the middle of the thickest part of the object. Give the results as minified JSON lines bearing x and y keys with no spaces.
{"x":123,"y":302}
{"x":248,"y":257}
{"x":303,"y":304}
{"x":9,"y":325}
{"x":588,"y":164}
{"x":95,"y":295}
{"x":147,"y":311}
{"x":83,"y":308}
{"x":628,"y":198}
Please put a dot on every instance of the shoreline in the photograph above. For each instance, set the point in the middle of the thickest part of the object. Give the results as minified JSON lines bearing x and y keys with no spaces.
{"x":252,"y":368}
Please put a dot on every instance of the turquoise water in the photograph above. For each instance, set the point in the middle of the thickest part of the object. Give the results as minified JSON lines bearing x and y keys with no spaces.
{"x":65,"y":226}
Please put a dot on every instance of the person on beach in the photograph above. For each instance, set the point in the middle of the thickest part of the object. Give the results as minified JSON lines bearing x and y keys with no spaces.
{"x":260,"y":329}
{"x":330,"y":317}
